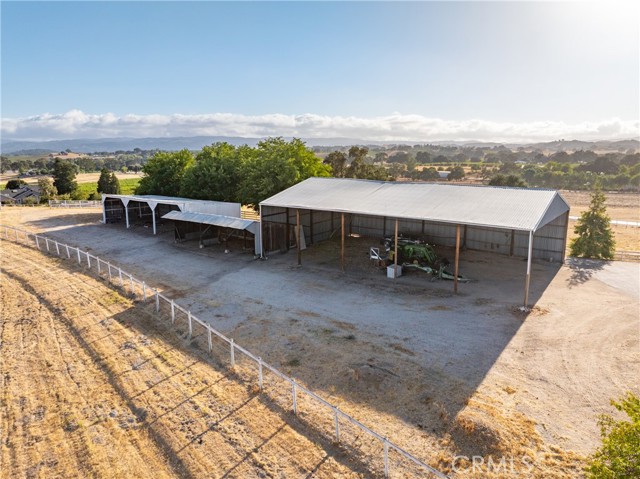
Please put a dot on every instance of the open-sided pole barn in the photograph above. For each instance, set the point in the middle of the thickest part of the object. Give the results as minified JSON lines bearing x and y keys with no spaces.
{"x":185,"y":214}
{"x":530,"y":223}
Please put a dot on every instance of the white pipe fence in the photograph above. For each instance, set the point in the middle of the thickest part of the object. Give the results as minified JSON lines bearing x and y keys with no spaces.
{"x":74,"y":203}
{"x":337,"y":421}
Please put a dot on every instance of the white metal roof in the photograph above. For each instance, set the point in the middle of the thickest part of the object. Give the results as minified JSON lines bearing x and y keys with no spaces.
{"x":216,"y":220}
{"x":185,"y":204}
{"x":496,"y":207}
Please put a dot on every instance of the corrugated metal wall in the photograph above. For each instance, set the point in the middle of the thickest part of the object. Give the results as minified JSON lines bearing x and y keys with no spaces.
{"x":548,"y":243}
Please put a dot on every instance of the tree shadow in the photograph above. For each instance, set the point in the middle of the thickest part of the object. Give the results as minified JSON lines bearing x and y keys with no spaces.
{"x":583,"y":269}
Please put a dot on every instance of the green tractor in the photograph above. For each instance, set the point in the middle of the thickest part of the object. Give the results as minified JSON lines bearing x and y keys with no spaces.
{"x":417,"y":254}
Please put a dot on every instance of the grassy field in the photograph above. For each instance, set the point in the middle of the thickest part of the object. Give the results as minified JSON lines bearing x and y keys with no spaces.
{"x":127,"y":186}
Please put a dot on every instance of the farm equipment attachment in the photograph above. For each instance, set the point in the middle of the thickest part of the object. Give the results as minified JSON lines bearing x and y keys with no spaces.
{"x":419,"y":255}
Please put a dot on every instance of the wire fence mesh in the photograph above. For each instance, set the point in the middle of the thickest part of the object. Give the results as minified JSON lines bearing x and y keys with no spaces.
{"x":382,"y":457}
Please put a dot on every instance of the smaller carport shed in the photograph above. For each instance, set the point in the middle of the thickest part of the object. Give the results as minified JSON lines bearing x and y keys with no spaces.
{"x":116,"y":208}
{"x":219,"y":221}
{"x":497,"y":219}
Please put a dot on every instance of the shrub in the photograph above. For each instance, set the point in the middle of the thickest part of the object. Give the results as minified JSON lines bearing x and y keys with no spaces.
{"x":619,"y":455}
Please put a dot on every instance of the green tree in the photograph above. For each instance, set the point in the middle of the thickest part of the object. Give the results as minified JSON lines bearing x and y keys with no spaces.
{"x":428,"y":174}
{"x":216,"y":174}
{"x":47,"y":189}
{"x":359,"y":168}
{"x":595,"y":238}
{"x":275,"y":166}
{"x":114,"y":184}
{"x":338,"y":162}
{"x":163,"y":173}
{"x":507,"y":180}
{"x":108,"y":182}
{"x":15,"y":184}
{"x":456,"y":173}
{"x":103,"y":181}
{"x":619,"y":455}
{"x":64,"y":176}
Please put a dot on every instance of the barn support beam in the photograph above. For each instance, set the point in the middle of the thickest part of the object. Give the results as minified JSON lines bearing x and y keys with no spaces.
{"x":104,"y":211}
{"x":126,"y":214}
{"x":566,"y":236}
{"x":513,"y":242}
{"x":395,"y":251}
{"x":287,"y":231}
{"x":299,"y":227}
{"x":528,"y":278}
{"x":153,"y":217}
{"x":457,"y":260}
{"x":342,"y":242}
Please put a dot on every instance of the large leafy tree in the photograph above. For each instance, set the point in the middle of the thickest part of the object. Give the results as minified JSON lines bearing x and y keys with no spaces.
{"x":275,"y":166}
{"x":15,"y":184}
{"x":164,"y":172}
{"x":64,"y":176}
{"x":507,"y":180}
{"x":337,"y":160}
{"x":47,"y":190}
{"x":359,"y":168}
{"x":456,"y":173}
{"x":595,"y":238}
{"x":619,"y":455}
{"x":216,"y":174}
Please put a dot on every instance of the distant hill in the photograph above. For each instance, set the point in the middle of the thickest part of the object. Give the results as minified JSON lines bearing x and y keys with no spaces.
{"x":197,"y":142}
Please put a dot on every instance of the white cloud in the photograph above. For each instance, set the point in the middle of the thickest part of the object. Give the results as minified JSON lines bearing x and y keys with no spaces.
{"x":395,"y":127}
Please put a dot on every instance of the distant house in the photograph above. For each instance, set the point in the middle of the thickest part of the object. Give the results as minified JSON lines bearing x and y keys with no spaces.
{"x":19,"y":196}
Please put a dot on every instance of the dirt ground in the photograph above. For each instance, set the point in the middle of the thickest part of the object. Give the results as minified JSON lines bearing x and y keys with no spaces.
{"x":92,"y":386}
{"x":441,"y":375}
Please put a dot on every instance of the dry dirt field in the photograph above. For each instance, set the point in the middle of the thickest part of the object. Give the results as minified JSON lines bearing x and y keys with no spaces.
{"x":439,"y":374}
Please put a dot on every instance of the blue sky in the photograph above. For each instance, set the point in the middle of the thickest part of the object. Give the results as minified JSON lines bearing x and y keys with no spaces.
{"x":388,"y":70}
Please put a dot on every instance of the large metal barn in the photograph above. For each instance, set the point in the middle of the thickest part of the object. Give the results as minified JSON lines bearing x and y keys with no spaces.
{"x":528,"y":223}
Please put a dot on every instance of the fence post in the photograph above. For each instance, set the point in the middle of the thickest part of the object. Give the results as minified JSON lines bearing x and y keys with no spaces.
{"x":144,"y":292}
{"x":386,"y":457}
{"x":133,"y":291}
{"x":209,"y":338}
{"x":294,"y":396}
{"x":173,"y":312}
{"x":98,"y":261}
{"x":88,"y":261}
{"x":157,"y":301}
{"x":79,"y":259}
{"x":260,"y":372}
{"x":190,"y":324}
{"x":120,"y":274}
{"x":57,"y":248}
{"x":68,"y":254}
{"x":233,"y":355}
{"x":109,"y":269}
{"x":335,"y":417}
{"x":37,"y":242}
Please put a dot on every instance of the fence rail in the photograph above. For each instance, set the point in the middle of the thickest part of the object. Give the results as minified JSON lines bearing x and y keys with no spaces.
{"x":139,"y":289}
{"x":74,"y":203}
